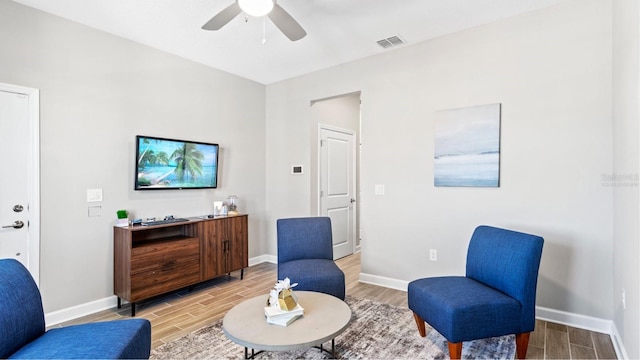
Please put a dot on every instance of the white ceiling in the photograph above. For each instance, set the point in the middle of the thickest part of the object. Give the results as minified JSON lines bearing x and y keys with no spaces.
{"x":338,"y":31}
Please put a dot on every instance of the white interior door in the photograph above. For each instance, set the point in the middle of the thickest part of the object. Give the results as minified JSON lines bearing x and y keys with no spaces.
{"x":19,"y":184}
{"x":337,"y":187}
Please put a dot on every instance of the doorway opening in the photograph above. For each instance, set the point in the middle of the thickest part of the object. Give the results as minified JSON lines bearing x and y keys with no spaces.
{"x":335,"y":163}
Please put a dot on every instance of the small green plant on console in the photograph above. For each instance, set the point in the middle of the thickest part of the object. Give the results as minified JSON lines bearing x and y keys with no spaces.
{"x":122,"y":214}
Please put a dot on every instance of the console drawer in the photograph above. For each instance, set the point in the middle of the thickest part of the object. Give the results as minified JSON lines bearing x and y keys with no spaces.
{"x":162,"y":266}
{"x":164,"y":256}
{"x":173,"y":276}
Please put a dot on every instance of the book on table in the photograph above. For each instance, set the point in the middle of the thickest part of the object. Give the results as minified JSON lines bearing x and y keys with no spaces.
{"x":275,"y":315}
{"x":275,"y":312}
{"x":284,"y":321}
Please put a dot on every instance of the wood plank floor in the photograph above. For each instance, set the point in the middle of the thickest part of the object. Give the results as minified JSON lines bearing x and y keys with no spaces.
{"x":177,"y":314}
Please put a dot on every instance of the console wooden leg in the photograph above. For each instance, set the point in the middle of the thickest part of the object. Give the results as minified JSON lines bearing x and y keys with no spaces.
{"x":455,"y":350}
{"x":522,"y":343}
{"x":421,"y":326}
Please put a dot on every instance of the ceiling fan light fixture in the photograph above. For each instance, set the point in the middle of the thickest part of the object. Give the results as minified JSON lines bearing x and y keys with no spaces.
{"x":256,"y":8}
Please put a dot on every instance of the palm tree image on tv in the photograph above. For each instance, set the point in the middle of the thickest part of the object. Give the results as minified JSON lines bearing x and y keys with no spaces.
{"x":147,"y":155}
{"x":189,"y":161}
{"x":151,"y":158}
{"x":190,"y":165}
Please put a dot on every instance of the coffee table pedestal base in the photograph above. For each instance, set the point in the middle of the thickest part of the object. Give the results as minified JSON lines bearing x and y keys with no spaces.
{"x":332,"y":352}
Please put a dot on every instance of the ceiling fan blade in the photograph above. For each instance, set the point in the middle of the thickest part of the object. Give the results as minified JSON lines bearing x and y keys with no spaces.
{"x":223,"y":17}
{"x":286,"y":23}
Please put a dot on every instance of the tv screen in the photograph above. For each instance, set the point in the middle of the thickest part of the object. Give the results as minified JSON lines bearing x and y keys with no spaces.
{"x":175,"y":164}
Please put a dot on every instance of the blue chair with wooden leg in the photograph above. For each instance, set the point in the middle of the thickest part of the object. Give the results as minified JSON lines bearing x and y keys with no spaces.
{"x":305,"y":255}
{"x":496,"y":297}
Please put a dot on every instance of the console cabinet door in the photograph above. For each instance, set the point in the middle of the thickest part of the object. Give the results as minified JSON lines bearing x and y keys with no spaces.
{"x":237,"y":237}
{"x":212,"y":237}
{"x":224,"y":245}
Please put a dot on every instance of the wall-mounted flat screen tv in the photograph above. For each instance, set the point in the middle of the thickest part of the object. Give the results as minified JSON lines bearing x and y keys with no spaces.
{"x":175,"y":164}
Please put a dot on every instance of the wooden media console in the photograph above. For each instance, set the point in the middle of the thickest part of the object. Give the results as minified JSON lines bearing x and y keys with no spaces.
{"x":153,"y":260}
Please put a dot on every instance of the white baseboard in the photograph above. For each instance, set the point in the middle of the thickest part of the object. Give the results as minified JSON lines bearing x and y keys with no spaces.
{"x":542,"y":313}
{"x":263,"y":258}
{"x":74,"y":312}
{"x":621,"y":351}
{"x":586,"y":323}
{"x":574,"y":320}
{"x":384,"y":281}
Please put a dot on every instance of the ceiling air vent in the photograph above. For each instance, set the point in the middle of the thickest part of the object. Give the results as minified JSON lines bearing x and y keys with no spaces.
{"x":391,"y":42}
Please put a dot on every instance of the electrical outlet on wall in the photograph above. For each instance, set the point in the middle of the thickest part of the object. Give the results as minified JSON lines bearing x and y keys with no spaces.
{"x":433,"y":254}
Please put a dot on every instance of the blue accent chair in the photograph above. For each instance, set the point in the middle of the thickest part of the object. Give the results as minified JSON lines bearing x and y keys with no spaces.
{"x":497,"y":296}
{"x":305,"y":255}
{"x":23,"y":334}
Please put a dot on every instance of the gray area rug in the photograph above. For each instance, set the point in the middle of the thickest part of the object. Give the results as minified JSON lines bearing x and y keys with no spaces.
{"x":377,"y":331}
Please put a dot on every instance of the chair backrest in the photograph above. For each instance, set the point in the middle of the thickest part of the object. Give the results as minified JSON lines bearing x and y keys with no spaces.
{"x":304,"y":238}
{"x":21,"y":313}
{"x":508,"y":261}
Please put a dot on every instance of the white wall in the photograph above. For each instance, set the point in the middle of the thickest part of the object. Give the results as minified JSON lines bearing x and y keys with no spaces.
{"x":551,"y":70}
{"x":626,"y":152}
{"x":97,"y":92}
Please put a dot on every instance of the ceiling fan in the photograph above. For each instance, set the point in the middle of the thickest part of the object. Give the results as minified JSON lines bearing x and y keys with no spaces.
{"x":280,"y":18}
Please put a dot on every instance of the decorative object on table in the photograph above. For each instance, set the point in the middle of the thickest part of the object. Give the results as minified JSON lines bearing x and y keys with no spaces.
{"x":467,"y":147}
{"x":123,"y":218}
{"x":282,"y":295}
{"x":282,"y":305}
{"x":219,"y":208}
{"x":232,"y":205}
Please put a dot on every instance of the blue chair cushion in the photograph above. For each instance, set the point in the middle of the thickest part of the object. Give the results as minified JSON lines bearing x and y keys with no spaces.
{"x":319,"y":275}
{"x":21,"y":314}
{"x":304,"y":238}
{"x":508,"y":261}
{"x":22,"y":326}
{"x":118,"y":339}
{"x":463,"y":309}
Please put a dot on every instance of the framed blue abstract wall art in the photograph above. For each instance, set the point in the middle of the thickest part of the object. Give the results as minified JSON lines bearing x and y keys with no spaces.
{"x":467,"y":146}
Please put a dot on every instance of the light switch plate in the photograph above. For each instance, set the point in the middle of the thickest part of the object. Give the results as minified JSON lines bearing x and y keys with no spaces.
{"x":379,"y":189}
{"x":94,"y":195}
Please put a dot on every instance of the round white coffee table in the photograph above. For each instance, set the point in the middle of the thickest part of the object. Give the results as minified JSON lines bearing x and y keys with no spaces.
{"x":325,"y":317}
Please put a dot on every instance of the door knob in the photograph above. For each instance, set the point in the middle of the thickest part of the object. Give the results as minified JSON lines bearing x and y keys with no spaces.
{"x":16,"y":225}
